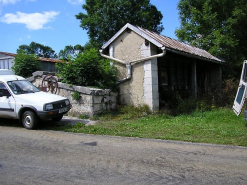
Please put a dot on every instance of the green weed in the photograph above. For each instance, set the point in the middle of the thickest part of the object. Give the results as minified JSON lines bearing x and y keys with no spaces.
{"x":219,"y":126}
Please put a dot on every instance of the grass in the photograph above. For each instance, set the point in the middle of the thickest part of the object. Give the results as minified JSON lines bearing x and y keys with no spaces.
{"x":219,"y":126}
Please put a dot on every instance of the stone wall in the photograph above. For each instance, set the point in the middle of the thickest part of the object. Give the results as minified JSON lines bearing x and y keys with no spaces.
{"x":91,"y":101}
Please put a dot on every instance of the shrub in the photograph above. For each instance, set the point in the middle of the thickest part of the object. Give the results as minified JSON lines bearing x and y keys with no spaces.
{"x":76,"y":96}
{"x":214,"y":98}
{"x":227,"y":94}
{"x":88,"y":69}
{"x":25,"y":64}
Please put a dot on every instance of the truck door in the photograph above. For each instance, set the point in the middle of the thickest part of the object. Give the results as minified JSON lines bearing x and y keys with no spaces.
{"x":7,"y":103}
{"x":241,"y":93}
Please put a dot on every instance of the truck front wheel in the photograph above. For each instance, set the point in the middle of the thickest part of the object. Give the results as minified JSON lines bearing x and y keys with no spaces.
{"x":29,"y":120}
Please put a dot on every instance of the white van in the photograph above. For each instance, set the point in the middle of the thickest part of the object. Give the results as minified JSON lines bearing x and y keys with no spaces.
{"x":20,"y":99}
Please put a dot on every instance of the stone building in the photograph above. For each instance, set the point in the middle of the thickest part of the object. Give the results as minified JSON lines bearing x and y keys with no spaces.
{"x":153,"y":67}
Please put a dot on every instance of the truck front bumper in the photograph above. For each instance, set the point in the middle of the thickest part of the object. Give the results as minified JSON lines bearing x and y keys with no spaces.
{"x":53,"y":113}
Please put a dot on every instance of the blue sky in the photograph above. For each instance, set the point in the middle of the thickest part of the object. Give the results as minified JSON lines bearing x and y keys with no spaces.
{"x":53,"y":23}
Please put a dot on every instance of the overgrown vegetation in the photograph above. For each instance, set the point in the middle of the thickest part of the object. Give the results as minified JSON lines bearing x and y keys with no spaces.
{"x":219,"y":126}
{"x":215,"y":97}
{"x":88,"y":69}
{"x":25,"y":64}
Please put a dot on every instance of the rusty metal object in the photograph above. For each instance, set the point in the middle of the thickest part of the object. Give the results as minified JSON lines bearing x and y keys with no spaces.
{"x":49,"y":84}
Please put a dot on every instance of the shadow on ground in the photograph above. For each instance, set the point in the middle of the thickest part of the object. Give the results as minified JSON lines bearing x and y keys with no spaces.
{"x":10,"y":122}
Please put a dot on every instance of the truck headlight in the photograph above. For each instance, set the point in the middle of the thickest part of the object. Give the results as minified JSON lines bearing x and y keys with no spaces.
{"x":48,"y":106}
{"x":67,"y":102}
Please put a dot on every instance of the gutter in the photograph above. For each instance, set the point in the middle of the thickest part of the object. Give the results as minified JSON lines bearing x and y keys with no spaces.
{"x":129,"y":64}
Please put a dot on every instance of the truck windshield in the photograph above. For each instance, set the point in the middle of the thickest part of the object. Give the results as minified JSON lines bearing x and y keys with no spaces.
{"x":22,"y":87}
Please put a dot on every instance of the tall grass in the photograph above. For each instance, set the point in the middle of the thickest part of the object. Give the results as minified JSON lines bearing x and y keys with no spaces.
{"x":219,"y":126}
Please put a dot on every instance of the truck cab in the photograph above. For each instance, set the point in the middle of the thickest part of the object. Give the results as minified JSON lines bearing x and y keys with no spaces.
{"x":20,"y":99}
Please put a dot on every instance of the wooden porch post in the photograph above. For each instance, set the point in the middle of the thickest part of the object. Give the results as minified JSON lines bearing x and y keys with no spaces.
{"x":194,"y":78}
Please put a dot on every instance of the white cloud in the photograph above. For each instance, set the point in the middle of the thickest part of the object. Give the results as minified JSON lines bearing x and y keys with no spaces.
{"x":75,"y":2}
{"x":29,"y":37}
{"x":33,"y":21}
{"x":5,"y":2}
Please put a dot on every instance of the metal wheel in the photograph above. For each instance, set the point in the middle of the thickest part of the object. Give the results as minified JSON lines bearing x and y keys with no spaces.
{"x":29,"y":120}
{"x":49,"y":84}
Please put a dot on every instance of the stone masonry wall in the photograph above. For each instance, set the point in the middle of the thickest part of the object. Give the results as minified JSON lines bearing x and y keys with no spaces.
{"x":92,"y":101}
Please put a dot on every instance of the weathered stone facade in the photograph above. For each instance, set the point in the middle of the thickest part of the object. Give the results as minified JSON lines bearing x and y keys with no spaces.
{"x":142,"y":88}
{"x":92,"y":101}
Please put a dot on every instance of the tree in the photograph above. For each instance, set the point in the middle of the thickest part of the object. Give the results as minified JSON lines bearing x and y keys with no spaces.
{"x":88,"y":69}
{"x":25,"y":64}
{"x":105,"y":18}
{"x":70,"y":51}
{"x":38,"y":49}
{"x":217,"y":26}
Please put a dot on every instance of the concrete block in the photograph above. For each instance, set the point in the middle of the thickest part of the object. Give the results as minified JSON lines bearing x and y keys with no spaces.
{"x":148,"y":74}
{"x":150,"y":81}
{"x":98,"y":99}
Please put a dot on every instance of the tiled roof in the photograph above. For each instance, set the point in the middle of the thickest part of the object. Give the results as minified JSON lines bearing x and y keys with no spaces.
{"x":179,"y":46}
{"x":49,"y":59}
{"x":10,"y":54}
{"x":40,"y":58}
{"x":167,"y":42}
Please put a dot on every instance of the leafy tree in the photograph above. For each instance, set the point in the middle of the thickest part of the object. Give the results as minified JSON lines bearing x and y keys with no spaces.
{"x":217,"y":26}
{"x":70,"y":51}
{"x":105,"y":18}
{"x":88,"y":69}
{"x":25,"y":64}
{"x":38,"y":49}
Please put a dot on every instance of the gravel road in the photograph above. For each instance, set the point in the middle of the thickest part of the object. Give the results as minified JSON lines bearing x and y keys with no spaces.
{"x":49,"y":157}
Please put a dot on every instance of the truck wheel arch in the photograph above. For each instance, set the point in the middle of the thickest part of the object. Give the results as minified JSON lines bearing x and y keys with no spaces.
{"x":26,"y":108}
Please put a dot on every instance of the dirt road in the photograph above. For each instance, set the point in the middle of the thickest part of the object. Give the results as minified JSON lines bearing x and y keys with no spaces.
{"x":48,"y":157}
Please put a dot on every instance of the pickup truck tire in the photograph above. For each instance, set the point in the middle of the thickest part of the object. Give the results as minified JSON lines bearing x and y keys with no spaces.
{"x":29,"y":120}
{"x":57,"y":118}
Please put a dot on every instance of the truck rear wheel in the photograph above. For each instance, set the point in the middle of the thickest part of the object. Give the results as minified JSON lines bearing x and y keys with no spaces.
{"x":29,"y":120}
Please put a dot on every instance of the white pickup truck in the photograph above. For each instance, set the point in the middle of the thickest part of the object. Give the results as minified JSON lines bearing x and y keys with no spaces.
{"x":20,"y":99}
